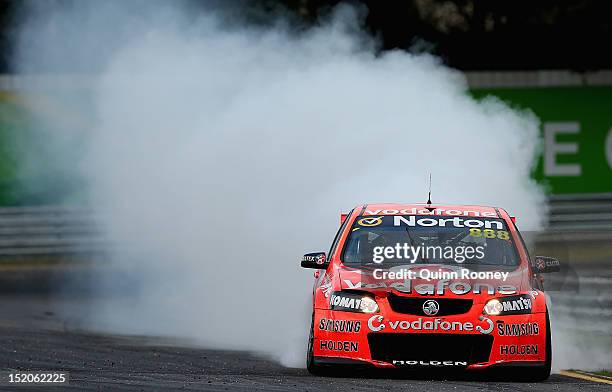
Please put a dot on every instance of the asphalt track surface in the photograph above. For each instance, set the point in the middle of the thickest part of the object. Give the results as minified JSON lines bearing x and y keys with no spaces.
{"x":36,"y":340}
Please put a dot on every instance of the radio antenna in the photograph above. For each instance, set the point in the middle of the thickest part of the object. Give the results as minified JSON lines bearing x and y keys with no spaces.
{"x":429,"y":197}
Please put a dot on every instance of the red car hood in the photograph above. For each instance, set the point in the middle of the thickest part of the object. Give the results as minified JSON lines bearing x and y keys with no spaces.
{"x":439,"y":280}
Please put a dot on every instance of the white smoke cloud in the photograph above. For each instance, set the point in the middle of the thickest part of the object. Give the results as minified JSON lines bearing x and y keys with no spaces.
{"x":220,"y":155}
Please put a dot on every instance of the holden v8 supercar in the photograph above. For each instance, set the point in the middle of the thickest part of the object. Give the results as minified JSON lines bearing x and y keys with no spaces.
{"x":423,"y":286}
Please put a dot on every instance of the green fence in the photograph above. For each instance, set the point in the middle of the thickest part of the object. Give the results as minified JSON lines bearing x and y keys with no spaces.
{"x":27,"y":130}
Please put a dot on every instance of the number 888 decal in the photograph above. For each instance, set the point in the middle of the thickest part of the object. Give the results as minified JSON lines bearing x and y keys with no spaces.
{"x":489,"y":233}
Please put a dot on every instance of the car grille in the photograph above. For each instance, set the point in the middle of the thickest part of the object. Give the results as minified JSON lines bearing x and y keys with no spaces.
{"x":430,"y":347}
{"x":412,"y":305}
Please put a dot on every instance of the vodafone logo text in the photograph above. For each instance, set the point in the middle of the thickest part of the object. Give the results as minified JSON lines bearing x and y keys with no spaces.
{"x":378,"y":323}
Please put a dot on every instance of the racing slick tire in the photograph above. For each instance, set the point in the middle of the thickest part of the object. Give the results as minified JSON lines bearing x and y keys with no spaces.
{"x":311,"y":366}
{"x":542,"y":373}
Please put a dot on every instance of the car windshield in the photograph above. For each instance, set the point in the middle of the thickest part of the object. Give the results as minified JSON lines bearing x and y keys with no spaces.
{"x":407,"y":239}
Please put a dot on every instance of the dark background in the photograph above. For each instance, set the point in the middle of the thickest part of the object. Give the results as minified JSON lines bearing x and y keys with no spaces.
{"x":466,"y":34}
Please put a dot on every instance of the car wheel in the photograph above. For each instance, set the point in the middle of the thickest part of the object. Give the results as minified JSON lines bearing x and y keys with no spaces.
{"x":542,"y":373}
{"x":312,"y":367}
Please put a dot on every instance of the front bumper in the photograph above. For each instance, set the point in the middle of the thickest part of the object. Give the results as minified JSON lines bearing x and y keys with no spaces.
{"x":405,"y":341}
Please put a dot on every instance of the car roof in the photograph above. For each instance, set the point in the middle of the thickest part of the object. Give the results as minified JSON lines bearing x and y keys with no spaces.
{"x":427,"y":209}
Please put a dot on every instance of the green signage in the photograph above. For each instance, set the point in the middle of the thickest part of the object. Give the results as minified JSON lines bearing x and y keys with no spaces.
{"x":576,"y":125}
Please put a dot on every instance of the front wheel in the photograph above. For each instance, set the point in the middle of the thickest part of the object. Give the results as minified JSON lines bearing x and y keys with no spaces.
{"x":312,"y":367}
{"x":542,"y":373}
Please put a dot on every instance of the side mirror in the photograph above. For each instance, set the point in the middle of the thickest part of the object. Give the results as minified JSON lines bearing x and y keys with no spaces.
{"x":316,"y":260}
{"x":543,"y":264}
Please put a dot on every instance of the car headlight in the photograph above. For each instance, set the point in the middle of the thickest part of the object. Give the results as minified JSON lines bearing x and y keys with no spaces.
{"x":352,"y":302}
{"x":493,"y":307}
{"x":369,"y":305}
{"x":515,"y":304}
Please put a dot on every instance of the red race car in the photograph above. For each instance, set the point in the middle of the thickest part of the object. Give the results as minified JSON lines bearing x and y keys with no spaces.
{"x":426,"y":286}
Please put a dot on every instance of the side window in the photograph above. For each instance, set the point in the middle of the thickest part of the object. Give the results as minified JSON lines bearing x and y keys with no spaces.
{"x":337,"y":237}
{"x":520,"y":236}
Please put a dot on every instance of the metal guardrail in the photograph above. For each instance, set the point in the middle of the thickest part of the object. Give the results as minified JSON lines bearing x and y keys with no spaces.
{"x":580,"y":212}
{"x":56,"y":231}
{"x":48,"y":231}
